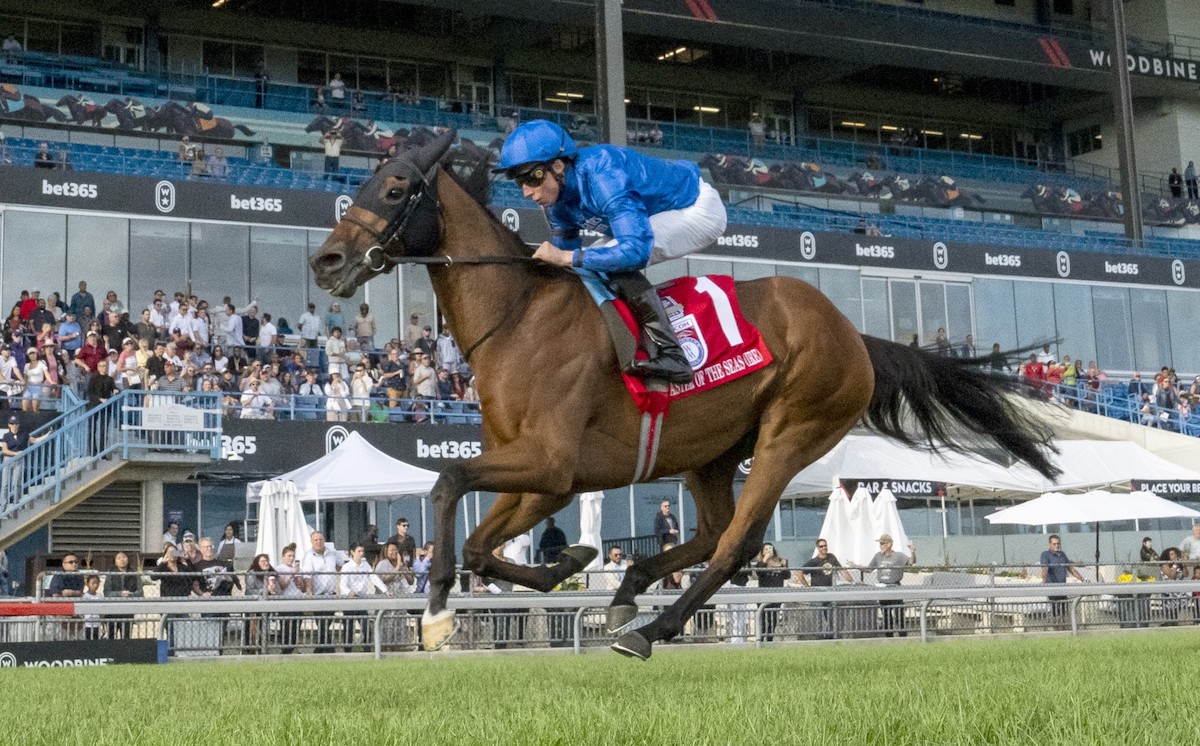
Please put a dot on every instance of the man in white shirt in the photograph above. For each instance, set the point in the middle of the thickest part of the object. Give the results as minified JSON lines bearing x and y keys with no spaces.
{"x":266,"y":337}
{"x":356,"y":579}
{"x":320,"y":564}
{"x":337,"y":89}
{"x":232,"y":329}
{"x":614,"y":569}
{"x":172,"y":534}
{"x":1190,"y":546}
{"x":310,"y":326}
{"x":1045,"y":357}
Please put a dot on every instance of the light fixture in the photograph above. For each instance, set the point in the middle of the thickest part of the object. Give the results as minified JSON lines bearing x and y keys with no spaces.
{"x":969,"y":136}
{"x":932,"y":133}
{"x":555,"y":100}
{"x":1099,"y":137}
{"x":569,"y":95}
{"x":854,"y":124}
{"x":707,"y":109}
{"x":626,"y":100}
{"x":889,"y":128}
{"x":668,"y":55}
{"x":219,"y":3}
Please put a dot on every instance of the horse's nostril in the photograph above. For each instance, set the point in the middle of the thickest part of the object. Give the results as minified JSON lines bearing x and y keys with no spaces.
{"x":331,"y":261}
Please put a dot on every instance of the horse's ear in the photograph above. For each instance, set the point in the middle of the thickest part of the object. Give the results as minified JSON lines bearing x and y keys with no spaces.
{"x":432,"y":152}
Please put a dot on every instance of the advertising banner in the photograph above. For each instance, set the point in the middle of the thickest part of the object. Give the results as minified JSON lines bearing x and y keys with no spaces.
{"x":70,"y":654}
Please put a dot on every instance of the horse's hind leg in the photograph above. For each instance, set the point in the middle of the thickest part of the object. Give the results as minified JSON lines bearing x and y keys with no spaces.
{"x":778,"y":456}
{"x":712,"y":490}
{"x":513,"y":514}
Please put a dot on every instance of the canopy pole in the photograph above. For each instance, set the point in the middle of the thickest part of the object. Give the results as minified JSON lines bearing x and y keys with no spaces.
{"x":466,"y":519}
{"x":945,"y":531}
{"x":632,"y":521}
{"x":679,"y":499}
{"x":423,"y":533}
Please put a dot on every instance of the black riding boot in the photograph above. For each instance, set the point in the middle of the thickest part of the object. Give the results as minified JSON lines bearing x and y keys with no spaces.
{"x":665,"y":360}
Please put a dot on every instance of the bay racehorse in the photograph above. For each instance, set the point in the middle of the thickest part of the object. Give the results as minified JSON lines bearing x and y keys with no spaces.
{"x":557,"y":419}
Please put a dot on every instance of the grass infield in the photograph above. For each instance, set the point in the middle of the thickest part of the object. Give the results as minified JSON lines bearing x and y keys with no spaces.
{"x":1130,"y":688}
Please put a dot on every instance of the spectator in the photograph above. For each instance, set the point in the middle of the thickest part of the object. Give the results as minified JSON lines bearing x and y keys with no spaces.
{"x":758,"y":133}
{"x":227,"y":548}
{"x":62,"y":161}
{"x":666,"y":525}
{"x":319,"y":102}
{"x":266,"y":338}
{"x":426,"y":344}
{"x":337,"y":89}
{"x":334,"y":318}
{"x":11,"y":48}
{"x":614,"y":569}
{"x":421,"y":564}
{"x":171,"y":535}
{"x":218,"y":164}
{"x":291,"y":585}
{"x":890,"y":564}
{"x":364,"y":328}
{"x":42,"y":158}
{"x":91,"y":592}
{"x":251,"y":328}
{"x":404,"y":542}
{"x":391,"y":376}
{"x":337,"y":398}
{"x":191,"y":552}
{"x":335,"y":352}
{"x":394,"y":571}
{"x":1137,"y":386}
{"x":332,"y":141}
{"x":260,"y":84}
{"x":772,"y":572}
{"x":360,"y":390}
{"x":310,"y":326}
{"x":1055,"y":566}
{"x":1190,"y":546}
{"x":5,"y":156}
{"x":356,"y":578}
{"x":1189,"y":178}
{"x":188,"y":152}
{"x":123,"y":582}
{"x":255,"y":404}
{"x":424,"y":379}
{"x":69,"y":583}
{"x":357,"y":104}
{"x":1175,"y":183}
{"x":11,"y":378}
{"x":310,"y":399}
{"x":320,"y":565}
{"x":35,"y":373}
{"x":968,"y":350}
{"x":173,"y":571}
{"x":448,"y":355}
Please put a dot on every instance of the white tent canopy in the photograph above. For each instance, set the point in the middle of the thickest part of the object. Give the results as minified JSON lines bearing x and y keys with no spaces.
{"x":355,"y":470}
{"x":852,"y":526}
{"x":1085,"y":463}
{"x":1090,"y":507}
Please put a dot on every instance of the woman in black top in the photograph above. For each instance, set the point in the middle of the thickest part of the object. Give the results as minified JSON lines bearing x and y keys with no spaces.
{"x":772,"y":572}
{"x":123,"y":583}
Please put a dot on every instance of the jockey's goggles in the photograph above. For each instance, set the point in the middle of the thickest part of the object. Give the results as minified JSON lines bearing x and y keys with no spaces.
{"x":531,"y":176}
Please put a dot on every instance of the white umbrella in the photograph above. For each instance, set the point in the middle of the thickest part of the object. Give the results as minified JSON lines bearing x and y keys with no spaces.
{"x":886,"y":518}
{"x":1091,"y":507}
{"x":834,"y":529}
{"x":590,"y":513}
{"x":280,"y":519}
{"x":861,"y":545}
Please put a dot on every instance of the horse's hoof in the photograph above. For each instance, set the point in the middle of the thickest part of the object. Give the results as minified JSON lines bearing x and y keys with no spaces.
{"x":619,"y":617}
{"x":578,"y":554}
{"x":633,"y":645}
{"x":437,"y":629}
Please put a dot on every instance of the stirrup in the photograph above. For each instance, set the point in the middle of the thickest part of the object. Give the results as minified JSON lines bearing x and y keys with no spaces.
{"x":666,"y":367}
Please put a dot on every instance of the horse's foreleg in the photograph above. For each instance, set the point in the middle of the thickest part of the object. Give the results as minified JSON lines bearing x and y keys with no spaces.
{"x":502,"y":469}
{"x":513,"y":514}
{"x":712,"y":490}
{"x":777,"y":458}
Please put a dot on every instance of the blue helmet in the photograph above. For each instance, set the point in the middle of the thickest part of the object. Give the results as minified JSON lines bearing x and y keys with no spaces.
{"x":538,"y":141}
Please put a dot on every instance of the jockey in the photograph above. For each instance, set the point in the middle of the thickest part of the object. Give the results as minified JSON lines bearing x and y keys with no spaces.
{"x":654,"y":209}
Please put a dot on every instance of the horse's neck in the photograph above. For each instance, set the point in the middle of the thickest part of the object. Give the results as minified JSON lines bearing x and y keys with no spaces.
{"x":474,"y":298}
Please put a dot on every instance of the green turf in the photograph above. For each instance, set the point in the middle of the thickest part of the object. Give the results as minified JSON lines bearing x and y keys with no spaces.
{"x":1132,"y":688}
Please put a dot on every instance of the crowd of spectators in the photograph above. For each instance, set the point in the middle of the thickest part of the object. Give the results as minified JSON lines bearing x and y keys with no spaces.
{"x":331,"y":366}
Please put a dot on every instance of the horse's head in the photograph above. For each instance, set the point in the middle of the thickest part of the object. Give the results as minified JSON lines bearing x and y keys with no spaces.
{"x":394,"y":215}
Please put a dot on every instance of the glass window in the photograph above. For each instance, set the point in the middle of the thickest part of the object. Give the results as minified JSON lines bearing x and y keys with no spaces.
{"x":958,"y":311}
{"x":876,"y":321}
{"x":278,"y":262}
{"x":1152,"y":343}
{"x":81,"y":40}
{"x":43,"y":37}
{"x":752,"y":270}
{"x":1114,"y":338}
{"x":98,"y":252}
{"x":347,"y":66}
{"x":523,"y":90}
{"x":220,"y":505}
{"x":933,"y":310}
{"x":220,"y":265}
{"x":311,"y":68}
{"x":433,"y":80}
{"x":1035,"y":311}
{"x":403,"y":75}
{"x":246,"y":58}
{"x":995,"y":314}
{"x":905,"y":326}
{"x":667,"y":270}
{"x":1184,"y":306}
{"x":698,"y":266}
{"x":218,"y":57}
{"x":811,"y":275}
{"x":158,"y":256}
{"x":416,"y":296}
{"x":383,"y":293}
{"x":1076,"y":325}
{"x":372,"y":74}
{"x":35,"y":248}
{"x":842,"y":286}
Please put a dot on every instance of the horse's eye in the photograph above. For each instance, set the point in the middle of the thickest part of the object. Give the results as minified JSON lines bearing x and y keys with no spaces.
{"x":396,"y":193}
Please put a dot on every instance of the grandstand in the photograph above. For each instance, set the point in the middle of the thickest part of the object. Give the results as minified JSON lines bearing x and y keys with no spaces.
{"x":854,"y":88}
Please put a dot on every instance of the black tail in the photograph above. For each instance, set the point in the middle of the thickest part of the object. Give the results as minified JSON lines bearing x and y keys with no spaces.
{"x":243,"y":129}
{"x":953,"y":401}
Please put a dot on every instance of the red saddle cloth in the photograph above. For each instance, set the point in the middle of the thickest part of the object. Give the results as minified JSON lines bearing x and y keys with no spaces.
{"x":720,"y":344}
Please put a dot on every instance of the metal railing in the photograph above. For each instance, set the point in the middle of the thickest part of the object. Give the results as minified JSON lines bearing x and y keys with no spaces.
{"x":209,"y":627}
{"x":130,"y":424}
